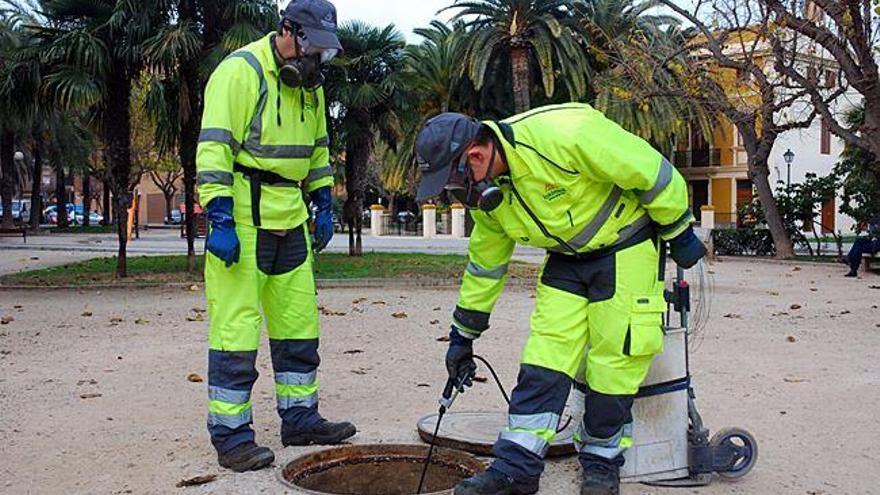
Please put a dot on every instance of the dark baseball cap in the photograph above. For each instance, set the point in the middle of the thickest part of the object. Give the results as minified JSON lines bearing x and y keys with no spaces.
{"x":317,"y":18}
{"x":440,"y":143}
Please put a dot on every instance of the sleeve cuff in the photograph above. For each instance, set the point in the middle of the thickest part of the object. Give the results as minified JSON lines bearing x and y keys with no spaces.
{"x":673,"y":230}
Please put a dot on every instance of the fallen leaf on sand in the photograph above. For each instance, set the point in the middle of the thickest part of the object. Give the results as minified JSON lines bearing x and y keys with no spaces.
{"x":6,"y":320}
{"x":141,"y":321}
{"x":813,"y":289}
{"x":423,"y":385}
{"x":481,"y":379}
{"x":116,"y":320}
{"x":194,"y":288}
{"x":196,"y":317}
{"x":796,"y":307}
{"x":17,"y":306}
{"x":359,"y":300}
{"x":796,"y":269}
{"x":360,"y":371}
{"x":353,"y":351}
{"x":198,"y":480}
{"x":733,"y":316}
{"x":198,"y":310}
{"x":791,"y":338}
{"x":437,"y":308}
{"x":444,"y":338}
{"x":399,"y":315}
{"x":773,"y":292}
{"x":89,"y":396}
{"x":379,"y":303}
{"x":874,"y":287}
{"x":86,"y":314}
{"x":194,"y":378}
{"x":845,"y":312}
{"x":795,"y":380}
{"x":435,"y":322}
{"x":330,"y":312}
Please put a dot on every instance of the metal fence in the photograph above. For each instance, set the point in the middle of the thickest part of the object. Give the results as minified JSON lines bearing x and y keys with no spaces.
{"x":401,"y":227}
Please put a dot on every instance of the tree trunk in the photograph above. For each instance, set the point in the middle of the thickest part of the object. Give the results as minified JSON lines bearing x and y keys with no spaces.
{"x":870,"y":128}
{"x":519,"y":61}
{"x":60,"y":196}
{"x":169,"y":204}
{"x":117,"y":137}
{"x":759,"y":172}
{"x":189,"y":139}
{"x":105,"y":202}
{"x":36,"y":186}
{"x":357,"y":155}
{"x":7,"y":182}
{"x":87,"y":196}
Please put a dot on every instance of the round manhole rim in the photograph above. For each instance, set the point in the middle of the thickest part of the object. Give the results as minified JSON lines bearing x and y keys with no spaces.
{"x":335,"y":454}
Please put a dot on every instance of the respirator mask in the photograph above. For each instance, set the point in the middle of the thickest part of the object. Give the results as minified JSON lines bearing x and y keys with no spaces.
{"x":483,"y":195}
{"x":305,"y":71}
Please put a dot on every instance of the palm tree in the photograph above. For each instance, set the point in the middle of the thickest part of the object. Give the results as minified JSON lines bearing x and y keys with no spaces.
{"x":630,"y":51}
{"x":182,"y":55}
{"x":532,"y":39}
{"x":94,"y":49}
{"x":364,"y":84}
{"x":433,"y":69}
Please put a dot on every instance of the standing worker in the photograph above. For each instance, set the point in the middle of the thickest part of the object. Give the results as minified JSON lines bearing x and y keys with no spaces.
{"x":263,"y":138}
{"x":602,"y":202}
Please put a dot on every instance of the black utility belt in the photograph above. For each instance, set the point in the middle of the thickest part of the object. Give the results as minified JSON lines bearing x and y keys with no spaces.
{"x":647,"y":232}
{"x":257,"y":178}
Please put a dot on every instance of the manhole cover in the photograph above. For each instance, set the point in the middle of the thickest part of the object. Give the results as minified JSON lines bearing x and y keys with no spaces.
{"x":378,"y":470}
{"x":476,"y":432}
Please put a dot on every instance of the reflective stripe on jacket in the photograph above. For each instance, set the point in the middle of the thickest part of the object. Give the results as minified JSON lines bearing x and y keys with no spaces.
{"x":253,"y":119}
{"x":578,"y":183}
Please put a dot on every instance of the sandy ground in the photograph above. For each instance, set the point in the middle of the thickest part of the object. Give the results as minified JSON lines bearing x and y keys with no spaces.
{"x":812,"y":403}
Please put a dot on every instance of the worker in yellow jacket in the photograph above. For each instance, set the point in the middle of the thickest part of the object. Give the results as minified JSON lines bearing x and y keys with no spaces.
{"x":263,"y":141}
{"x":603,"y":203}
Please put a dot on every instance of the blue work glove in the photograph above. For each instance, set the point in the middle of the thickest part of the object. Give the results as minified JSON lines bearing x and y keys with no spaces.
{"x":686,"y":249}
{"x":222,"y":240}
{"x":460,"y":361}
{"x":323,"y":201}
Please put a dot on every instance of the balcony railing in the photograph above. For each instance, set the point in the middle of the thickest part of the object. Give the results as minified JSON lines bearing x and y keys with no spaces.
{"x":698,"y":158}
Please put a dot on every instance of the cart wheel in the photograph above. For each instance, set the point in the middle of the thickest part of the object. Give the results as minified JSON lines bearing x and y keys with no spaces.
{"x":743,"y":445}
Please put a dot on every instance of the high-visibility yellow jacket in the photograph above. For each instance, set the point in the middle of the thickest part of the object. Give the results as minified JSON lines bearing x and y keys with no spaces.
{"x":251,"y":118}
{"x":578,"y":183}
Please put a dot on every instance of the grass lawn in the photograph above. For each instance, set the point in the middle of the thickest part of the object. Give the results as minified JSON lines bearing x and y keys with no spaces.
{"x":330,"y":266}
{"x":91,"y":229}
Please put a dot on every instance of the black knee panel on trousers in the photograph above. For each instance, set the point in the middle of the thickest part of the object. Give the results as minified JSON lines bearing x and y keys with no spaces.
{"x":606,"y":414}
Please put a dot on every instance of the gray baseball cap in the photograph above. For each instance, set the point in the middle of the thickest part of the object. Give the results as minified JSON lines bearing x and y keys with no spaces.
{"x":317,"y":18}
{"x":440,"y":143}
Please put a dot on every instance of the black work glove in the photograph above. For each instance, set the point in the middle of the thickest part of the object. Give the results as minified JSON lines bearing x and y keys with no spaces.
{"x":686,"y":249}
{"x":460,"y":361}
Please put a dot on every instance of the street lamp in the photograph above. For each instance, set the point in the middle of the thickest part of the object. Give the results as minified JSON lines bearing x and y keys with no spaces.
{"x":789,"y":157}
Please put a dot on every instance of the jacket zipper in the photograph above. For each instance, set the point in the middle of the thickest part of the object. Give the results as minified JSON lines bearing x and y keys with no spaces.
{"x":540,"y":225}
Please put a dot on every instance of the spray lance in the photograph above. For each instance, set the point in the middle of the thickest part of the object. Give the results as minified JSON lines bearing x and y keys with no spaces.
{"x":450,"y":393}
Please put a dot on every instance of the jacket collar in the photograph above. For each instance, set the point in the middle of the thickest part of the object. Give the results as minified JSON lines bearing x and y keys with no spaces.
{"x":507,"y":137}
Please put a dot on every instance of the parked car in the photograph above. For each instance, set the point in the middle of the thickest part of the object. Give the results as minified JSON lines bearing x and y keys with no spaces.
{"x":21,"y":211}
{"x":94,"y":217}
{"x":176,"y":218}
{"x":51,"y":213}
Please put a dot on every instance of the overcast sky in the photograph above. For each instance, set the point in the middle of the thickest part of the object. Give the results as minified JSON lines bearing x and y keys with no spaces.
{"x":405,"y":14}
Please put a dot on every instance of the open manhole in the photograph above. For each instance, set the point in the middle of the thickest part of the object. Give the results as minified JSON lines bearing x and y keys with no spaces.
{"x":378,"y":470}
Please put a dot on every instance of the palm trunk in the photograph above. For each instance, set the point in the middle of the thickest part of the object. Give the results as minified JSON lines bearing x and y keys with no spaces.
{"x":169,"y":204}
{"x":105,"y":202}
{"x":357,"y":154}
{"x":36,"y":186}
{"x":87,"y":196}
{"x":60,"y":196}
{"x":7,"y":182}
{"x":189,"y":138}
{"x":117,"y":136}
{"x":519,"y":61}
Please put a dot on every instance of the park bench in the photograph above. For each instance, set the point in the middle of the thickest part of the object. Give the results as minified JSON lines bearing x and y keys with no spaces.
{"x":870,"y":261}
{"x":17,"y":231}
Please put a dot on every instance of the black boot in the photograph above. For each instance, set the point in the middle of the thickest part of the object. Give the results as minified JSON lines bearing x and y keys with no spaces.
{"x":601,"y":478}
{"x":246,"y":457}
{"x":323,"y":433}
{"x":852,"y":274}
{"x":492,"y":482}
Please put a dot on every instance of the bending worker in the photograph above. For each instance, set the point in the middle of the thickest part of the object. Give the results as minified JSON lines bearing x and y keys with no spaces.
{"x":601,"y":201}
{"x":264,"y":136}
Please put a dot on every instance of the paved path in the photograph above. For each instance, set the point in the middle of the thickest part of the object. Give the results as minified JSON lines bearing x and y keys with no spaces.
{"x":156,"y":242}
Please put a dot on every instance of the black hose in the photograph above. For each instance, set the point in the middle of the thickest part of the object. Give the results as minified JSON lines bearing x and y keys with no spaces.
{"x":431,"y":450}
{"x":504,"y":392}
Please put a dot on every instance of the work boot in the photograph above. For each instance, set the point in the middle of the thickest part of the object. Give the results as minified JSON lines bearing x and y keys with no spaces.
{"x":492,"y":482}
{"x":246,"y":457}
{"x":601,"y":479}
{"x":323,"y":433}
{"x":852,"y":274}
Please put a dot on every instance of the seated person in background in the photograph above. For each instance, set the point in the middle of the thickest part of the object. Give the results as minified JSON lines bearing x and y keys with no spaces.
{"x":864,"y":245}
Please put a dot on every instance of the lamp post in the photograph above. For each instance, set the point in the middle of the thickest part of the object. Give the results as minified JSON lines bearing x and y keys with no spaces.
{"x":789,"y":157}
